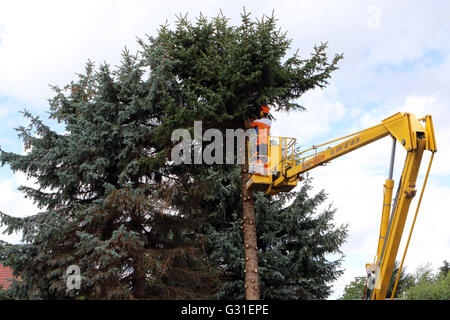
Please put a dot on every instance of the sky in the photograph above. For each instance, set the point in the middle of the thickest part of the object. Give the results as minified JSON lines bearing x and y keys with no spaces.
{"x":396,"y":59}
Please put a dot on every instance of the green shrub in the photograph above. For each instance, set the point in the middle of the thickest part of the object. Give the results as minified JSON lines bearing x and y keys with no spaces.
{"x":430,"y":289}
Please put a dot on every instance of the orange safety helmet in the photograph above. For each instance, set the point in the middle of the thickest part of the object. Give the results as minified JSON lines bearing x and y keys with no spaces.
{"x":264,"y":109}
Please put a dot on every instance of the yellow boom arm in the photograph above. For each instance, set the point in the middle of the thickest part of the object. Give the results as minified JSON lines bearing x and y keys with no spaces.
{"x":287,"y":166}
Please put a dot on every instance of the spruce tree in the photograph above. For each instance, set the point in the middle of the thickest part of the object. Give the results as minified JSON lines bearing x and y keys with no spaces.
{"x":294,"y":243}
{"x":104,"y":208}
{"x":221,"y":74}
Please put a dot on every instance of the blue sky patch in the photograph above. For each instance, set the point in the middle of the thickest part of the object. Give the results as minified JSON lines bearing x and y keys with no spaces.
{"x":431,"y":58}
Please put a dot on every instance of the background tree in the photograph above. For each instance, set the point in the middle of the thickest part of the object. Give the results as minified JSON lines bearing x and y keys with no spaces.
{"x":404,"y":282}
{"x":3,"y":294}
{"x":355,"y":289}
{"x":444,"y":269}
{"x":428,"y":285}
{"x":438,"y":289}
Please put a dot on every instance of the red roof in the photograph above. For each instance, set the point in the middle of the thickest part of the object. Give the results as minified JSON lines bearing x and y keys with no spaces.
{"x":6,"y":274}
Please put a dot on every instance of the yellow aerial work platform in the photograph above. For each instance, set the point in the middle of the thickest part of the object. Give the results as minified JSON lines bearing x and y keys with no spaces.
{"x":285,"y":165}
{"x":280,"y":157}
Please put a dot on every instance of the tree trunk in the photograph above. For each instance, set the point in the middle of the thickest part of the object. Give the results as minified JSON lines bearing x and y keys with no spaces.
{"x":252,"y":289}
{"x":138,"y":280}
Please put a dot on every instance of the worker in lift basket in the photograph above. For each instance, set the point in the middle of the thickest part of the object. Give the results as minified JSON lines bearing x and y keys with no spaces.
{"x":262,"y":127}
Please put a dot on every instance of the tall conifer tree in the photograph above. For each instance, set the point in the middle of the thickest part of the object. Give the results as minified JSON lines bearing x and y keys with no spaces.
{"x":221,"y":75}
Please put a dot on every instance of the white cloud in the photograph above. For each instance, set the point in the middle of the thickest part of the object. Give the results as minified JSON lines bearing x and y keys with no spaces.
{"x":1,"y":34}
{"x":14,"y":203}
{"x":320,"y":104}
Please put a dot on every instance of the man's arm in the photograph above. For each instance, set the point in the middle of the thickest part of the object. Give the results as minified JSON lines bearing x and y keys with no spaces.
{"x":249,"y":125}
